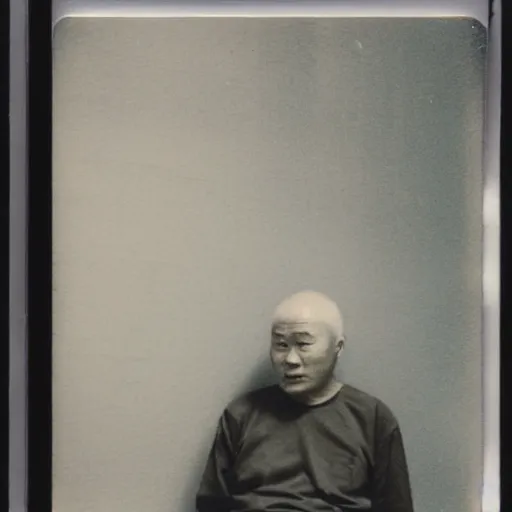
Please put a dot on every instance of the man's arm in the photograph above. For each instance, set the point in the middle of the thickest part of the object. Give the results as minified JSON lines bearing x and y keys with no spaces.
{"x":214,"y":494}
{"x":391,"y":489}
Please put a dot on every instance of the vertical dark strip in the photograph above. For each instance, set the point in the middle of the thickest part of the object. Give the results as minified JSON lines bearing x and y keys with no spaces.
{"x":4,"y":248}
{"x":39,"y":298}
{"x":506,"y":270}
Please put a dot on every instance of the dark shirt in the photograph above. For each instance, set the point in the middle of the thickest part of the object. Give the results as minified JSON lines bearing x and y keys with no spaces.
{"x":272,"y":453}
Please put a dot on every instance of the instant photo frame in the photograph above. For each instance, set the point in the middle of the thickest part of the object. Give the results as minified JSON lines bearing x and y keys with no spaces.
{"x":204,"y":161}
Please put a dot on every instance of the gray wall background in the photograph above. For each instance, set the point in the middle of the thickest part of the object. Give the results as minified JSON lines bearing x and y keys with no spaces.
{"x":205,"y":168}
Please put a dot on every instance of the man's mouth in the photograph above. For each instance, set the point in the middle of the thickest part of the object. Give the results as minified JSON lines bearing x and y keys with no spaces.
{"x":293,"y":378}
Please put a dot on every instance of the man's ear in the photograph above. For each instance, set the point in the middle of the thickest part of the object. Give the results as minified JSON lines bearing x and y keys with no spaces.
{"x":340,"y":345}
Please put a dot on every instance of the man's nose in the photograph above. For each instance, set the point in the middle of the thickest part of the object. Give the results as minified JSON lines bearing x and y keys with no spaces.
{"x":292,"y":358}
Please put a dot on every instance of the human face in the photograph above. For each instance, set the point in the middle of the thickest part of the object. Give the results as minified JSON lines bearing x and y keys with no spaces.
{"x":304,"y":356}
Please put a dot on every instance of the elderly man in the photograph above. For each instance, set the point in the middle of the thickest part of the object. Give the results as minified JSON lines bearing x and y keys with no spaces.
{"x":309,"y":443}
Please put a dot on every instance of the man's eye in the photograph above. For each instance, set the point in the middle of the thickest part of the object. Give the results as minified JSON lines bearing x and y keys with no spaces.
{"x":302,"y":344}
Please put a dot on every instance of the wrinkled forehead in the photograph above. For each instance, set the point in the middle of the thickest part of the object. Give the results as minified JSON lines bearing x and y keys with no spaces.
{"x":306,"y":328}
{"x":297,"y":318}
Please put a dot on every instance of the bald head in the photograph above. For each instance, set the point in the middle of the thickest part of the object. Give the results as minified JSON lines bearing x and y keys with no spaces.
{"x":310,"y":306}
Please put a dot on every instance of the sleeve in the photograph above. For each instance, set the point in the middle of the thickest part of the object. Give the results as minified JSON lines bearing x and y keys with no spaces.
{"x":214,"y":494}
{"x":391,"y":490}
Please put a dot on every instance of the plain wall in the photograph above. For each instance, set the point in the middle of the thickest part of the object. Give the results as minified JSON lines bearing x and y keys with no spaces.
{"x":206,"y":168}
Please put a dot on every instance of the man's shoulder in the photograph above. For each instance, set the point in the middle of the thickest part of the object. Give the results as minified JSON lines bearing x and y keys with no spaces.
{"x":357,"y":395}
{"x":253,"y":400}
{"x":370,"y":404}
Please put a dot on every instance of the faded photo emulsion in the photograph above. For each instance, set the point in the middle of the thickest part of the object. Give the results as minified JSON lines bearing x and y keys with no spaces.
{"x":267,"y":264}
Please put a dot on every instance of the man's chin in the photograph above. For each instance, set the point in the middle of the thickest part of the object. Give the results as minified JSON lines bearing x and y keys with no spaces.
{"x":295,"y":388}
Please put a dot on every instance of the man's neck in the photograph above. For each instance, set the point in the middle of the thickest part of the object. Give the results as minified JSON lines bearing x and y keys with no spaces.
{"x":328,"y":392}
